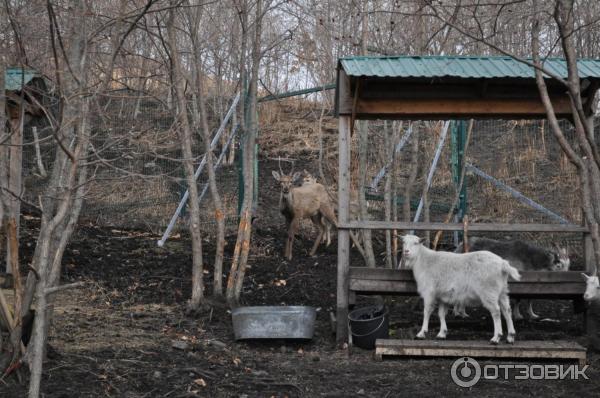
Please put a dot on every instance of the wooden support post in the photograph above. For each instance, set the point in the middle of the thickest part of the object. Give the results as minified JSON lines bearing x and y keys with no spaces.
{"x":343,"y":234}
{"x":465,"y":234}
{"x":14,"y":179}
{"x":588,"y":254}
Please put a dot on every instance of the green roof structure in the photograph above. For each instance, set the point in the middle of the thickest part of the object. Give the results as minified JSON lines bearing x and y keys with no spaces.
{"x":454,"y":87}
{"x":15,"y":78}
{"x":459,"y":67}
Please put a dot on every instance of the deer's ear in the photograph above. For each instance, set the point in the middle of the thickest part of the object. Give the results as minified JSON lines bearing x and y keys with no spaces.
{"x":296,"y":176}
{"x":276,"y":175}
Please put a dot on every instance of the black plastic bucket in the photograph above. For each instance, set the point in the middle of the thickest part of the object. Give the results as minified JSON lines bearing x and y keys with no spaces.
{"x":368,"y":324}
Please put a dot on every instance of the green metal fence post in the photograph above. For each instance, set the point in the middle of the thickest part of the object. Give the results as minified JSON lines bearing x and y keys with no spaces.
{"x":458,"y":143}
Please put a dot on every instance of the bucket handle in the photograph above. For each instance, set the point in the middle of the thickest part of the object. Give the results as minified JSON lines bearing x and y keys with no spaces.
{"x":371,"y":332}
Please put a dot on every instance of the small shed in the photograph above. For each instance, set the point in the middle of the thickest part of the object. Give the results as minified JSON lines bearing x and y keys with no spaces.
{"x":27,"y":97}
{"x":24,"y":88}
{"x":444,"y":87}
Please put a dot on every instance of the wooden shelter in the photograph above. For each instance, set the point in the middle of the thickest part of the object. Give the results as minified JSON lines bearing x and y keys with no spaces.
{"x":26,"y":94}
{"x":439,"y":87}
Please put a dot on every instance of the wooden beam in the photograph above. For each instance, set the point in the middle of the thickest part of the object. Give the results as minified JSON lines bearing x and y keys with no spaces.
{"x":564,"y":350}
{"x":565,"y":285}
{"x":475,"y":227}
{"x":455,"y":108}
{"x":343,"y":234}
{"x":407,"y":275}
{"x":15,"y":181}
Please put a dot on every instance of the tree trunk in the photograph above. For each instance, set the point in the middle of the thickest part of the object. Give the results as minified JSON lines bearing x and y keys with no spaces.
{"x":363,"y":151}
{"x":242,"y":247}
{"x":185,"y":137}
{"x":3,"y":163}
{"x":214,"y":191}
{"x":413,"y":172}
{"x":587,"y":162}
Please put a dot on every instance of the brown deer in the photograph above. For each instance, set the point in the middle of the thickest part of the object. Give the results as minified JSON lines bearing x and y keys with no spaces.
{"x":306,"y":201}
{"x":308,"y":179}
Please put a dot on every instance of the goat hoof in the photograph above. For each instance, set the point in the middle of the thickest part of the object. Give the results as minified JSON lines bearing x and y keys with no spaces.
{"x":495,"y":340}
{"x":441,"y":336}
{"x":510,"y":339}
{"x":420,"y":336}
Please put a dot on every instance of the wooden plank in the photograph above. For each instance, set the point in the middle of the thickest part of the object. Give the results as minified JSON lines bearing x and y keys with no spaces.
{"x":446,"y":348}
{"x":381,"y":274}
{"x":449,"y":89}
{"x":383,"y":287}
{"x":557,"y":345}
{"x":407,"y":275}
{"x":546,"y":289}
{"x":475,"y":227}
{"x":566,"y":285}
{"x":343,"y":235}
{"x":524,"y":290}
{"x":458,"y":108}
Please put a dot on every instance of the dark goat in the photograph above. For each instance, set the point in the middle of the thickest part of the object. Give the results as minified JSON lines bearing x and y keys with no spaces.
{"x":523,"y":256}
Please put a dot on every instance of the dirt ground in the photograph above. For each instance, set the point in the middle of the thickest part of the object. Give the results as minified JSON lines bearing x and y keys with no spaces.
{"x":125,"y":334}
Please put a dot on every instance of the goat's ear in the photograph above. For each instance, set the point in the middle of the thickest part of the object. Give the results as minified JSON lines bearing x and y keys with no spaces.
{"x":585,"y":276}
{"x":276,"y":175}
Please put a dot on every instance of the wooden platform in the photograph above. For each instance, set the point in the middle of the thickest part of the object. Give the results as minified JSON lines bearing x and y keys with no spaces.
{"x":556,"y":349}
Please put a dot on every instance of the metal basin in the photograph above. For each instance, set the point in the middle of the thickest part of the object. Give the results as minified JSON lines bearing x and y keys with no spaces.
{"x":273,"y":322}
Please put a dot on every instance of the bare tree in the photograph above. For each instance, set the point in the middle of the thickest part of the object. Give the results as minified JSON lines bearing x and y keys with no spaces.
{"x":583,"y":150}
{"x":185,"y":137}
{"x":250,"y":128}
{"x":201,"y":94}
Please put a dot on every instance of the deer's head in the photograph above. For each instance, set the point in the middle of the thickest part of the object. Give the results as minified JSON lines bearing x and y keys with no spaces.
{"x":286,"y":180}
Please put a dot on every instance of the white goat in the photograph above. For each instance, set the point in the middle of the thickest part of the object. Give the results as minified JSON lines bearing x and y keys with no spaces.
{"x":461,"y":280}
{"x":592,"y":288}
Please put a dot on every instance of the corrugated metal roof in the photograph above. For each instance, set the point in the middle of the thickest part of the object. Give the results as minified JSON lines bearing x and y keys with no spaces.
{"x":458,"y":66}
{"x":15,"y":78}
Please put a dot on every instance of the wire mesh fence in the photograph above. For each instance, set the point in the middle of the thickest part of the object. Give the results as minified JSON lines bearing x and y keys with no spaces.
{"x":508,"y":161}
{"x":138,"y":176}
{"x":136,"y":169}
